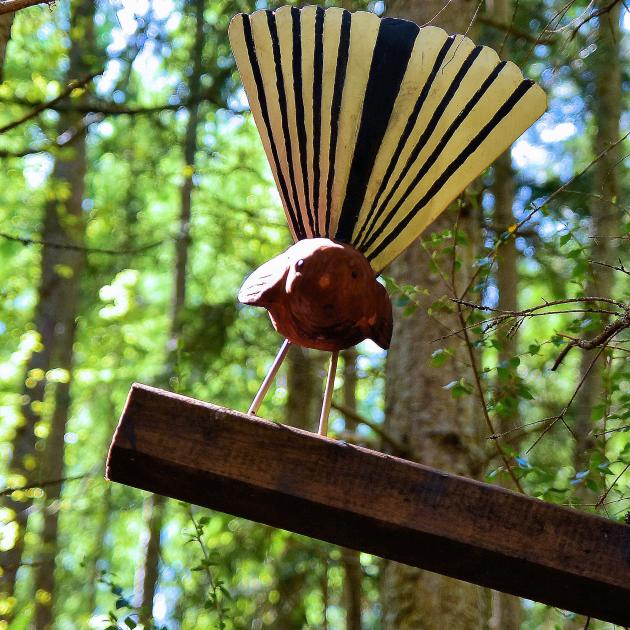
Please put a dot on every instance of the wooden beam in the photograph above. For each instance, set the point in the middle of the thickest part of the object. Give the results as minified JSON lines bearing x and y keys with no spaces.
{"x":390,"y":507}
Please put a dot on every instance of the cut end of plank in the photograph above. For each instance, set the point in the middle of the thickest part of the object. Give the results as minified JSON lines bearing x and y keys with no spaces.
{"x":348,"y":495}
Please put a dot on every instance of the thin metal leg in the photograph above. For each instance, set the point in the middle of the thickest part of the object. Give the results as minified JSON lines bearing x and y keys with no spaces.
{"x":271,"y":375}
{"x":328,"y":392}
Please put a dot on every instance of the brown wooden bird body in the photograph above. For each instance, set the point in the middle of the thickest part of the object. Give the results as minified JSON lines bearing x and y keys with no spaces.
{"x":322,"y":294}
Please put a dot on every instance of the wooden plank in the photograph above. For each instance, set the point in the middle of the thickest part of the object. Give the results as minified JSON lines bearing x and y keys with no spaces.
{"x":351,"y":496}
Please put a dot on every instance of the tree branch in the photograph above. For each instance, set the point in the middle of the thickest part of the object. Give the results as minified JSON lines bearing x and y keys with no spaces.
{"x":11,"y":6}
{"x":513,"y":30}
{"x":64,"y":139}
{"x":80,"y":248}
{"x":73,"y":85}
{"x":42,"y":484}
{"x":600,"y":340}
{"x":114,"y":109}
{"x":400,"y":448}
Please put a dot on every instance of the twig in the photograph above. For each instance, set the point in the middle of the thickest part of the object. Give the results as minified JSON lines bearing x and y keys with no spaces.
{"x":563,"y":413}
{"x":600,"y":340}
{"x":79,"y":248}
{"x":510,"y":29}
{"x":537,"y":208}
{"x":11,"y":6}
{"x":114,"y":109}
{"x":42,"y":484}
{"x":64,"y":139}
{"x":496,"y":436}
{"x":540,"y":306}
{"x":603,"y":264}
{"x":612,"y":485}
{"x":595,"y":14}
{"x":400,"y":448}
{"x":623,"y":428}
{"x":73,"y":85}
{"x":482,"y":401}
{"x":556,"y":192}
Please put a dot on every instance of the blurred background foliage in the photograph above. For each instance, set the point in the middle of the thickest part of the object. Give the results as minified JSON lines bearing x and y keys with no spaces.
{"x":130,"y":212}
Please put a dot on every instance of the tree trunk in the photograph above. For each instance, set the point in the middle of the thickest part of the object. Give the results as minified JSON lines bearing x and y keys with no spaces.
{"x":156,"y":504}
{"x":605,"y":222}
{"x":605,"y":215}
{"x":55,"y":316}
{"x":71,"y":173}
{"x":304,"y":388}
{"x":303,"y":405}
{"x":421,"y":413}
{"x":507,"y":611}
{"x":6,"y":21}
{"x":351,"y":559}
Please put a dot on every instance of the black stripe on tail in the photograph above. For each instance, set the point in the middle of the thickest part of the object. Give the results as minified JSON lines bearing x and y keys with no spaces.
{"x":390,"y":58}
{"x":262,"y":99}
{"x":452,"y":168}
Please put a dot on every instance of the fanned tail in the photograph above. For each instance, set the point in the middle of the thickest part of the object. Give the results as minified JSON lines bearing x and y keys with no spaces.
{"x":373,"y":126}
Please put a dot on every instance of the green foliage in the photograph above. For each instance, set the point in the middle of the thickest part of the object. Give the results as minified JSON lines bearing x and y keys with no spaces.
{"x":237,"y":574}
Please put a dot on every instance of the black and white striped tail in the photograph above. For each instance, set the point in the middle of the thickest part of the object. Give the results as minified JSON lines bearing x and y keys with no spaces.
{"x":373,"y":126}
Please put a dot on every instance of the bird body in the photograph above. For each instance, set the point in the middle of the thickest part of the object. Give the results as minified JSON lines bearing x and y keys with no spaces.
{"x":322,"y":294}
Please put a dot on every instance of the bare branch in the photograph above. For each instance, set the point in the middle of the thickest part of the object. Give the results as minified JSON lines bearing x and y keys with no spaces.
{"x":591,"y":16}
{"x":612,"y":485}
{"x":64,"y":139}
{"x":511,"y":29}
{"x":42,"y":484}
{"x":600,"y":340}
{"x":115,"y":109}
{"x":563,"y":413}
{"x":80,"y":248}
{"x":400,"y":448}
{"x":603,"y":264}
{"x":73,"y":85}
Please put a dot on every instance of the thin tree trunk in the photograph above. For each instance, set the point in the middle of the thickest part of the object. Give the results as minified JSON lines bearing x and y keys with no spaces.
{"x":55,"y":316}
{"x":507,"y":610}
{"x":421,"y":413}
{"x":304,"y":396}
{"x":6,"y":21}
{"x":156,"y":504}
{"x":605,"y":222}
{"x":304,"y":388}
{"x":70,"y":172}
{"x":104,"y":522}
{"x":605,"y":216}
{"x":350,"y":559}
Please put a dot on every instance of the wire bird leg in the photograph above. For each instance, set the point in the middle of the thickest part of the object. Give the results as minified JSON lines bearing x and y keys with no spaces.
{"x":328,"y":392}
{"x":271,"y":375}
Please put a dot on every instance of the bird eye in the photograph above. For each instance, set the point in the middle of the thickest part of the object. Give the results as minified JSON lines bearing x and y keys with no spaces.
{"x":355,"y":275}
{"x":299,"y":264}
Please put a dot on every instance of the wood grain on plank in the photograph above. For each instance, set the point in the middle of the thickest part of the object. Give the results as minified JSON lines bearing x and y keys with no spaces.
{"x":365,"y":500}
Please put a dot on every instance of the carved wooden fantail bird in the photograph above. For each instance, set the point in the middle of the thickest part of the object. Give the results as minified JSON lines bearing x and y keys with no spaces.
{"x":371,"y":127}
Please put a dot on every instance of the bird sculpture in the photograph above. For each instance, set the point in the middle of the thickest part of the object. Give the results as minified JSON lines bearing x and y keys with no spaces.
{"x":372,"y":127}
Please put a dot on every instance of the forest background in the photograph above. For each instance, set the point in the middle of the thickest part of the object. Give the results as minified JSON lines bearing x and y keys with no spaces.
{"x":134,"y":199}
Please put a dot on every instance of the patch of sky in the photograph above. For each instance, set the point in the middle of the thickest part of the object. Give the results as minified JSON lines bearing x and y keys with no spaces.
{"x":37,"y":168}
{"x":491,"y":296}
{"x":557,"y":133}
{"x":487,"y":200}
{"x":238,"y":102}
